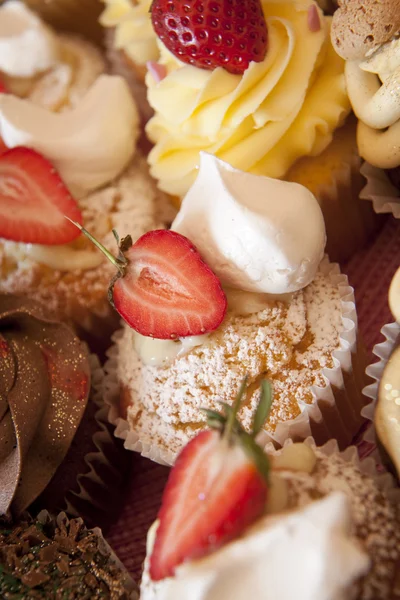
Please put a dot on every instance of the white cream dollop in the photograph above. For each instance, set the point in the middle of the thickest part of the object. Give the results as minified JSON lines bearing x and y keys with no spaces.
{"x":89,"y":145}
{"x":257,"y":234}
{"x":307,"y":554}
{"x":27,"y":45}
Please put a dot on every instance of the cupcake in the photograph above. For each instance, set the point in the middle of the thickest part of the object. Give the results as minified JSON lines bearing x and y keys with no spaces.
{"x":290,"y":318}
{"x":93,"y":148}
{"x":55,"y":447}
{"x":384,"y":393}
{"x":250,"y":519}
{"x":367,"y":38}
{"x":52,"y":70}
{"x":57,"y":557}
{"x":260,"y":106}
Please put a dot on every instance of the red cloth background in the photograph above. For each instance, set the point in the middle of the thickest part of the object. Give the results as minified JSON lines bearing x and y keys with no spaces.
{"x":370,"y":272}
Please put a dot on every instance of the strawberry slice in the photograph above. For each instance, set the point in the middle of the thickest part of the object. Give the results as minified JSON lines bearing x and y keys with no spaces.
{"x":217,"y":488}
{"x":3,"y":89}
{"x":3,"y":147}
{"x":34,"y":200}
{"x":163,"y":288}
{"x":168,"y":290}
{"x":212,"y":33}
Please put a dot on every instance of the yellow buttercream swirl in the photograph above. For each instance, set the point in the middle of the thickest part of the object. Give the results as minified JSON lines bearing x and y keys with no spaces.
{"x":134,"y":32}
{"x":279,"y":110}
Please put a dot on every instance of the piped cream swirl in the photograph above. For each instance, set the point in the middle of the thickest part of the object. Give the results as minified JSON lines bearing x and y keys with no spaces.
{"x":373,"y":86}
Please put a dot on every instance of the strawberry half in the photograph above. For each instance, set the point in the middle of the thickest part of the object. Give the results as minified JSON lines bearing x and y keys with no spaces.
{"x":34,"y":200}
{"x":3,"y":147}
{"x":163,"y":288}
{"x":217,"y":488}
{"x":212,"y":33}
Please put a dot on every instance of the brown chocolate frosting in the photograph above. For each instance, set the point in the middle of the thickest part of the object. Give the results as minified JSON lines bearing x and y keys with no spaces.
{"x":44,"y":390}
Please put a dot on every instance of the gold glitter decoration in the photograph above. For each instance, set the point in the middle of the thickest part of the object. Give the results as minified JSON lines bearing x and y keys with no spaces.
{"x":44,"y":389}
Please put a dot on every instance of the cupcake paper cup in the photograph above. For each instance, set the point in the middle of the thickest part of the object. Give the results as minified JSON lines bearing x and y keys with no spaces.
{"x":334,"y":178}
{"x":334,"y":413}
{"x":382,"y":351}
{"x":385,"y":198}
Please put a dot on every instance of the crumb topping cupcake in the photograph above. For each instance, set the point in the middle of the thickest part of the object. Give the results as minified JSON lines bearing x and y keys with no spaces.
{"x":323,"y":516}
{"x":367,"y":38}
{"x":110,"y":181}
{"x":290,"y":319}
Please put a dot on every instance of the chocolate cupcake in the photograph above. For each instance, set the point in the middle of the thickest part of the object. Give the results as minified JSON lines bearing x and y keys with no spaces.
{"x":59,"y":558}
{"x":54,"y":444}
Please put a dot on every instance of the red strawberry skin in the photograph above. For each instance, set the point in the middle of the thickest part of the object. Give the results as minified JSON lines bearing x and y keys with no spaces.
{"x":3,"y":89}
{"x":213,"y":493}
{"x":34,"y":200}
{"x":3,"y":147}
{"x":168,"y":291}
{"x":212,"y":33}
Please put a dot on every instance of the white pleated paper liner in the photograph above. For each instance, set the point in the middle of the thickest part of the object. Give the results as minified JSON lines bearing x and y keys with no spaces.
{"x":379,"y":190}
{"x":382,"y":351}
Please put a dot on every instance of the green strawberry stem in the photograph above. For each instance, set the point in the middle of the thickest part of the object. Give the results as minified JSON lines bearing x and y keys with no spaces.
{"x":263,"y":408}
{"x":232,"y":431}
{"x":232,"y":414}
{"x":117,"y":262}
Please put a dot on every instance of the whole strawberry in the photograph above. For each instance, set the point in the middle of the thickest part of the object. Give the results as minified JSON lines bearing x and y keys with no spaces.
{"x":217,"y":488}
{"x":212,"y":33}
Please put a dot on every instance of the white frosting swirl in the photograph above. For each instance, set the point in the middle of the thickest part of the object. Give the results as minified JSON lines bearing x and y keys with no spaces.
{"x":257,"y":234}
{"x":27,"y":45}
{"x":307,"y":554}
{"x":89,"y":145}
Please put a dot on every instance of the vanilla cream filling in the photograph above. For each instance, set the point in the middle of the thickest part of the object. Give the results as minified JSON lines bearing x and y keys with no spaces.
{"x":59,"y":258}
{"x":160,"y":353}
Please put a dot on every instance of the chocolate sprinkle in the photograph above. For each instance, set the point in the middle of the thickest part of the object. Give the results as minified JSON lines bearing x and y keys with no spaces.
{"x":62,"y":560}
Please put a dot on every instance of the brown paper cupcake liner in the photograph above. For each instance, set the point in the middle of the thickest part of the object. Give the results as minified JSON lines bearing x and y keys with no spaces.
{"x":350,"y":224}
{"x":334,"y":413}
{"x":379,"y":191}
{"x":95,"y":493}
{"x":77,"y":16}
{"x":382,"y":351}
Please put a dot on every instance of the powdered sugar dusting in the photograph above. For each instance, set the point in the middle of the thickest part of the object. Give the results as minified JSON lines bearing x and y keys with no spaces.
{"x":288,"y":344}
{"x":127,"y":205}
{"x":376,"y":519}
